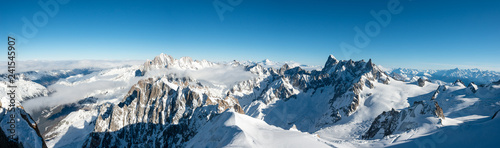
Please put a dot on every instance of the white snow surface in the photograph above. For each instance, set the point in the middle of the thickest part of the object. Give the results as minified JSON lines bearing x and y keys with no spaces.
{"x":278,"y":123}
{"x":231,"y":129}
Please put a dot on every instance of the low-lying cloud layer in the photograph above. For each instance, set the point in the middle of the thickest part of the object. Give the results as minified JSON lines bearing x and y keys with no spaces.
{"x":65,"y":94}
{"x":42,"y":65}
{"x":106,"y":87}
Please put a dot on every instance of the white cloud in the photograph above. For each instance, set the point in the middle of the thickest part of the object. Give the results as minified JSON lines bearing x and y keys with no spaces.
{"x":65,"y":94}
{"x":43,"y":65}
{"x":106,"y":87}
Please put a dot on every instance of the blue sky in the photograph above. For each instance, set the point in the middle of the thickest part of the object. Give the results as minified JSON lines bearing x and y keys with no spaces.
{"x":425,"y":34}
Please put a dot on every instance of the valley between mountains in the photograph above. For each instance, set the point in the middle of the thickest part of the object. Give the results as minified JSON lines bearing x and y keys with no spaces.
{"x":168,"y":102}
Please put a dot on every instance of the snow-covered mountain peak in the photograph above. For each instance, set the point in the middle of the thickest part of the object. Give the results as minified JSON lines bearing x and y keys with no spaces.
{"x":459,"y":82}
{"x":472,"y":87}
{"x":351,"y":69}
{"x":332,"y":57}
{"x":166,"y":61}
{"x":449,"y":76}
{"x":267,"y":62}
{"x":332,"y":61}
{"x":369,"y":63}
{"x":190,"y":103}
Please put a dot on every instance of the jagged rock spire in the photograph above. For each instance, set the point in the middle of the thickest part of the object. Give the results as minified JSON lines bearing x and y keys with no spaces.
{"x":473,"y":87}
{"x":330,"y":62}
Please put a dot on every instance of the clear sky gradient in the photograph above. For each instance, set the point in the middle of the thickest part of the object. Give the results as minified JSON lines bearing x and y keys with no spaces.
{"x":426,"y":34}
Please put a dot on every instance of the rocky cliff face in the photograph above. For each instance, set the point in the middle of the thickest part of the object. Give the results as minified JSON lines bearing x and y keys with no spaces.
{"x":167,"y":107}
{"x":26,"y":130}
{"x":349,"y":78}
{"x":175,"y":106}
{"x":336,"y":89}
{"x":161,"y":112}
{"x":391,"y":122}
{"x":472,"y":87}
{"x":494,"y":115}
{"x":496,"y":83}
{"x":421,"y":82}
{"x":459,"y":82}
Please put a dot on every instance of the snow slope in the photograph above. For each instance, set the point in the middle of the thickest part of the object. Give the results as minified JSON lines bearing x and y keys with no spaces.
{"x":483,"y":132}
{"x":231,"y":129}
{"x":190,"y":103}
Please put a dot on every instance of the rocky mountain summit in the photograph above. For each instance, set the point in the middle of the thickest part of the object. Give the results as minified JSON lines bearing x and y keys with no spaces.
{"x":157,"y":112}
{"x":176,"y":107}
{"x":390,"y":122}
{"x":168,"y":102}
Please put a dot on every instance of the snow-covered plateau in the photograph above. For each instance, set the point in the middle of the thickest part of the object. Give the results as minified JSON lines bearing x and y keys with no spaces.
{"x":168,"y":102}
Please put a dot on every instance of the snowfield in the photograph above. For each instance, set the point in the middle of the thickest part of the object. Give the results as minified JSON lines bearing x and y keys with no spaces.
{"x":232,"y":129}
{"x":258,"y":104}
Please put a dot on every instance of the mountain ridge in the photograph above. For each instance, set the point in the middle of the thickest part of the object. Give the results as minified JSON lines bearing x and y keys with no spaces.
{"x":168,"y":102}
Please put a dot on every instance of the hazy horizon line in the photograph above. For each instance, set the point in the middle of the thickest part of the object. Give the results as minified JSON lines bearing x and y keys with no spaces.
{"x":113,"y":63}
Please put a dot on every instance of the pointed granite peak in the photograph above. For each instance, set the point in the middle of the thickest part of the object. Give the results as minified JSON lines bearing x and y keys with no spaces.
{"x":285,"y":66}
{"x":459,"y":82}
{"x":331,"y":57}
{"x":473,"y":87}
{"x":330,"y":62}
{"x":370,"y":64}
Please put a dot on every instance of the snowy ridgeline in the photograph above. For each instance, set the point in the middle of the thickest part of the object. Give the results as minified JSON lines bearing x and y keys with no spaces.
{"x":447,"y":76}
{"x":189,"y":103}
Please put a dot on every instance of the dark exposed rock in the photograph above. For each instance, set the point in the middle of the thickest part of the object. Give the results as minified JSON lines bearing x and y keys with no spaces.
{"x":331,"y":62}
{"x":439,"y":111}
{"x":386,"y":121}
{"x":421,"y":82}
{"x":154,"y":114}
{"x":496,"y":83}
{"x":346,"y":77}
{"x":24,"y":120}
{"x":458,"y":82}
{"x":434,"y":96}
{"x":393,"y":121}
{"x":6,"y":142}
{"x":152,"y":106}
{"x":472,"y":87}
{"x":494,"y":115}
{"x":440,"y":89}
{"x":397,"y":76}
{"x":139,"y":73}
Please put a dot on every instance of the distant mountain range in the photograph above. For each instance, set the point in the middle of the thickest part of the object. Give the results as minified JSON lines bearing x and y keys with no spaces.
{"x":449,"y":76}
{"x":168,"y":102}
